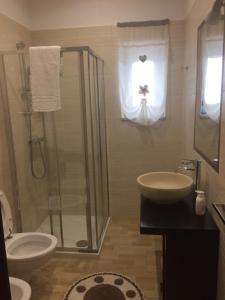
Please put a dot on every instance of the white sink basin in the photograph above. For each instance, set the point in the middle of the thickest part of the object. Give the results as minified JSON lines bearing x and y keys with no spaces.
{"x":165,"y":187}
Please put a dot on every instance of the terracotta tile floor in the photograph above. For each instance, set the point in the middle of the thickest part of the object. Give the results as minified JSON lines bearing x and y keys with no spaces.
{"x":124,"y":251}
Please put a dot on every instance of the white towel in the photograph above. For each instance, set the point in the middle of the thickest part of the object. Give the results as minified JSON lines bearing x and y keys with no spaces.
{"x":45,"y":78}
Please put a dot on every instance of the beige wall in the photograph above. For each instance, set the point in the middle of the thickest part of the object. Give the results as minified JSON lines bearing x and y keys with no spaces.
{"x":11,"y":32}
{"x":189,"y":4}
{"x":17,"y":10}
{"x":212,"y":182}
{"x":132,"y":150}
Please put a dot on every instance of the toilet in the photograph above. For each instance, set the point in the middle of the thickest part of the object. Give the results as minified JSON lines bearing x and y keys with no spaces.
{"x":20,"y":290}
{"x":25,"y":251}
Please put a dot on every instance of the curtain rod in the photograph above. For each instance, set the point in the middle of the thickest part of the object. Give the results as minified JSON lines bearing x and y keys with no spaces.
{"x":144,"y":23}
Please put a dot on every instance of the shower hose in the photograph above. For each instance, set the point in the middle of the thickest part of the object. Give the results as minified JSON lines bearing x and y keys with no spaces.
{"x":32,"y":142}
{"x":34,"y":174}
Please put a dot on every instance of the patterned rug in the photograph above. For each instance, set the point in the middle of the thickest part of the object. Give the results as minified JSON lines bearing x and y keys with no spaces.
{"x":104,"y":286}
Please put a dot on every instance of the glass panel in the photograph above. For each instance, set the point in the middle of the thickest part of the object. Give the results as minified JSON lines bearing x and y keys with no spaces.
{"x":88,"y":139}
{"x":100,"y":196}
{"x":55,"y":205}
{"x":29,"y":144}
{"x":104,"y":166}
{"x":96,"y":146}
{"x":69,"y":136}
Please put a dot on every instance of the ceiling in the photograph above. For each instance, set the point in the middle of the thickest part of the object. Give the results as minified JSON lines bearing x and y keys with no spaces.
{"x":51,"y":14}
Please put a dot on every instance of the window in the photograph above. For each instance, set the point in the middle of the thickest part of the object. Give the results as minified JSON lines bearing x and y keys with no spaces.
{"x":212,"y":65}
{"x":143,"y":77}
{"x":213,"y":80}
{"x":143,"y":63}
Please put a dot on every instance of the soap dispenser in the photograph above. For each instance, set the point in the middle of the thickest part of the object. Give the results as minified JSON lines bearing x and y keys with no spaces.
{"x":200,"y":203}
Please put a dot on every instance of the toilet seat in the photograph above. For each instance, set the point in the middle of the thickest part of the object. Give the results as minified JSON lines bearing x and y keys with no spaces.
{"x":29,"y":246}
{"x":25,"y":251}
{"x":6,"y":215}
{"x":23,"y":246}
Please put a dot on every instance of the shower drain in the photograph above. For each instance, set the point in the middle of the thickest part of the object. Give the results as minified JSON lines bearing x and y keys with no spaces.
{"x":82,"y":243}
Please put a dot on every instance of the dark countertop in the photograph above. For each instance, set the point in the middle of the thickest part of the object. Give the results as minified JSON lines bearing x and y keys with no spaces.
{"x":163,"y":219}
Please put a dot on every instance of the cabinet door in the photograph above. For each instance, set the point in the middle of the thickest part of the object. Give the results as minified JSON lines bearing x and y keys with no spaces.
{"x":191,"y":265}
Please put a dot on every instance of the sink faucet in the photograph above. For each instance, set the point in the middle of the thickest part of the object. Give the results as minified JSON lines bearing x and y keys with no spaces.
{"x":193,"y":165}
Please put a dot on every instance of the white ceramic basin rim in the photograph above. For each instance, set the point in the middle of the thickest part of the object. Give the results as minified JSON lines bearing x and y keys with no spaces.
{"x":165,"y":187}
{"x":20,"y":290}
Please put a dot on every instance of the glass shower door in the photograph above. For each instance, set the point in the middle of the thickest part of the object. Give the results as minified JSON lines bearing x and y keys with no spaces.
{"x":97,"y":158}
{"x":103,"y":144}
{"x":78,"y":155}
{"x":69,"y":201}
{"x":27,"y":142}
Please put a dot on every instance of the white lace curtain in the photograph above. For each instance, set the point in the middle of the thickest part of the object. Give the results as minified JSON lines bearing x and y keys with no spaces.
{"x":212,"y":55}
{"x":143,"y":65}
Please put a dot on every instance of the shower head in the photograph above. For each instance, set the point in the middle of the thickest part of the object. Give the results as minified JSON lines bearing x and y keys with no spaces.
{"x":215,"y":15}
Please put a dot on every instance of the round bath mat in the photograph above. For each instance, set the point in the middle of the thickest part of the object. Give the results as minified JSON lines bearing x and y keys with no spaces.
{"x":104,"y":286}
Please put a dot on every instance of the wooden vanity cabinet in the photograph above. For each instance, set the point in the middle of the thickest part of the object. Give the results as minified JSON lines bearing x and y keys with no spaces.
{"x":190,"y":249}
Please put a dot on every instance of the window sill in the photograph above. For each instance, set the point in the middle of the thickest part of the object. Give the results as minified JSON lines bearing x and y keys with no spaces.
{"x":128,"y":120}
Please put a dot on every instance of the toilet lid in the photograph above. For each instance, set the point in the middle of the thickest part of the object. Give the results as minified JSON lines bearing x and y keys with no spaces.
{"x":6,"y":215}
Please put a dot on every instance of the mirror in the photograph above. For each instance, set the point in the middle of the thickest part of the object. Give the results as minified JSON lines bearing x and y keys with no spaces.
{"x":209,"y":90}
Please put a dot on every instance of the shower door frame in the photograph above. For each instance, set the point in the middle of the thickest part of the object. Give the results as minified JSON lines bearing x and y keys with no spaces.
{"x":84,"y":96}
{"x":13,"y":172}
{"x":84,"y":99}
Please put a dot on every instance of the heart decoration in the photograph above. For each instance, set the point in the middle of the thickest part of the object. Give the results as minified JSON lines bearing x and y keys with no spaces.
{"x":143,"y":58}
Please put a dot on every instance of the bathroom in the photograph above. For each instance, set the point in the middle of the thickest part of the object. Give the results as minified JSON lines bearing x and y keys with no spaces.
{"x":128,"y":149}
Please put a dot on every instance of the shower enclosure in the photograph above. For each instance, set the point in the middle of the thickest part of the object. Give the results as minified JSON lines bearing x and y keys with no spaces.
{"x":59,"y":159}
